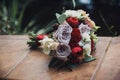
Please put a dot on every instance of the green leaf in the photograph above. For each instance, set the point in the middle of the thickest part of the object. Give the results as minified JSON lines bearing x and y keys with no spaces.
{"x":93,"y":36}
{"x":31,"y":42}
{"x":14,"y":8}
{"x":21,"y":15}
{"x":29,"y":25}
{"x":32,"y":38}
{"x":46,"y":28}
{"x":53,"y":62}
{"x":111,"y":27}
{"x":116,"y":32}
{"x":4,"y":13}
{"x":32,"y":34}
{"x":61,"y":18}
{"x":96,"y":28}
{"x":74,"y":3}
{"x":89,"y":59}
{"x":57,"y":15}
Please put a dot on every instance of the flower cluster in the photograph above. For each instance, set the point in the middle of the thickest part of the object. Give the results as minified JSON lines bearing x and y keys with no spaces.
{"x":73,"y":39}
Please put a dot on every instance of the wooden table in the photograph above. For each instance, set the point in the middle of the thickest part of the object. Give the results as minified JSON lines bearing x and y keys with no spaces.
{"x":18,"y":62}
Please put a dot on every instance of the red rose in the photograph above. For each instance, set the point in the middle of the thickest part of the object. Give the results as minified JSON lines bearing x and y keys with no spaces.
{"x":75,"y":38}
{"x":40,"y":37}
{"x":77,"y":51}
{"x":73,"y":22}
{"x":38,"y":43}
{"x":75,"y":61}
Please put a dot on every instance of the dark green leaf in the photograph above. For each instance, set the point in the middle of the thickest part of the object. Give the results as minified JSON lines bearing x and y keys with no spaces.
{"x":89,"y":59}
{"x":46,"y":28}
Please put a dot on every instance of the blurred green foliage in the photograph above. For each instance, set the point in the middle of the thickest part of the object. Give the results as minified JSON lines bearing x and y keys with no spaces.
{"x":24,"y":16}
{"x":11,"y":16}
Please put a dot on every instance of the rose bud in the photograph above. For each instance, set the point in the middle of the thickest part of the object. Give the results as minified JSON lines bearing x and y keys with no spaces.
{"x":38,"y":43}
{"x":73,"y":22}
{"x":40,"y":37}
{"x":77,"y":51}
{"x":55,"y":26}
{"x":89,"y":22}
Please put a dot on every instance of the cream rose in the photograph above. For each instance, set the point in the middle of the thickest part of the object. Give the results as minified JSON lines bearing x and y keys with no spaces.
{"x":48,"y":44}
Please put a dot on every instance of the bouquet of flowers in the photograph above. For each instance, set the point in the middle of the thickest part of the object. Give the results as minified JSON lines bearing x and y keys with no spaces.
{"x":72,"y":42}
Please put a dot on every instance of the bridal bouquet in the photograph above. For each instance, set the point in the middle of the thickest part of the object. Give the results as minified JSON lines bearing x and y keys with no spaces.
{"x":72,"y":41}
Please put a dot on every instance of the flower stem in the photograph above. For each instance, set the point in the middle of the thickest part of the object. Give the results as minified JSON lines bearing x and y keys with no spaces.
{"x":101,"y":16}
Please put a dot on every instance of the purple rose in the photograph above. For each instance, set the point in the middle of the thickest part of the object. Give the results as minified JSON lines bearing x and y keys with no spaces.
{"x":63,"y":51}
{"x":63,"y":33}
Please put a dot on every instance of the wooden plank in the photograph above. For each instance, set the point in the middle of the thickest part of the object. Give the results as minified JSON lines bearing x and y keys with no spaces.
{"x":12,"y":52}
{"x":35,"y":66}
{"x":15,"y":37}
{"x":110,"y":68}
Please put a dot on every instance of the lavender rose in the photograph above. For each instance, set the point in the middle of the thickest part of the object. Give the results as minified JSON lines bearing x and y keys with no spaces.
{"x":63,"y":33}
{"x":63,"y":51}
{"x":84,"y":28}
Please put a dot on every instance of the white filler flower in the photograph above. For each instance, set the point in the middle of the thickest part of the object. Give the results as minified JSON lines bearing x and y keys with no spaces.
{"x":48,"y":44}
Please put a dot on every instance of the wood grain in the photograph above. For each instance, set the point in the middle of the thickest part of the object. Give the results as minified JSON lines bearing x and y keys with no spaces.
{"x":11,"y":53}
{"x":35,"y":66}
{"x":110,"y":67}
{"x":14,"y":37}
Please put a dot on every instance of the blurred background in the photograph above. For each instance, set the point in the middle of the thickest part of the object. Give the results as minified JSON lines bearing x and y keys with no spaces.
{"x":23,"y":16}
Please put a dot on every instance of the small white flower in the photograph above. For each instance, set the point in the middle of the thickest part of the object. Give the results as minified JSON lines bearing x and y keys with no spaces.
{"x":72,"y":13}
{"x":46,"y":41}
{"x":48,"y":44}
{"x":86,"y":43}
{"x":83,"y":13}
{"x":84,"y":28}
{"x":78,"y":14}
{"x":87,"y":48}
{"x":81,"y":43}
{"x":86,"y":37}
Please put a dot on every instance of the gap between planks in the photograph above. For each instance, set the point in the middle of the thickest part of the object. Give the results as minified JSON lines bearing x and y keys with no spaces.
{"x":19,"y":61}
{"x":101,"y":60}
